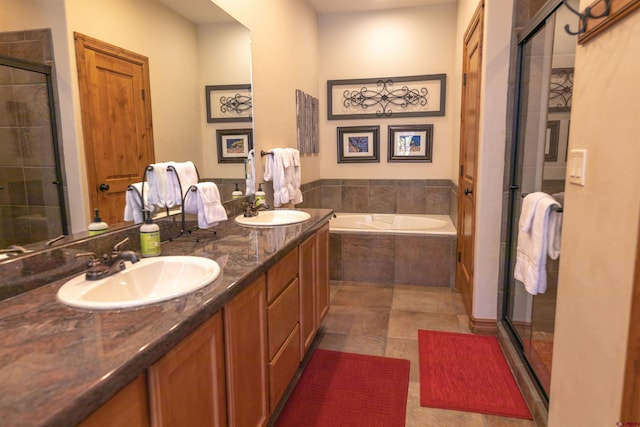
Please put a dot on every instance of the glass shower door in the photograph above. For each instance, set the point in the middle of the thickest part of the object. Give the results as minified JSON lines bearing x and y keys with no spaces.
{"x":31,"y":203}
{"x":539,"y":164}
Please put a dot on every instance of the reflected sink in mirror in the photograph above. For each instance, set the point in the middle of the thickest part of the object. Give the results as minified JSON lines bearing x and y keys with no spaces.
{"x":148,"y":281}
{"x":273,"y":218}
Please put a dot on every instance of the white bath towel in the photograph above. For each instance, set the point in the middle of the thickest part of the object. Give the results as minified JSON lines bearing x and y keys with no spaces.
{"x":180,"y":177}
{"x":250,"y":173}
{"x":157,"y":178}
{"x":274,"y":170}
{"x":293,"y":176}
{"x":133,"y":209}
{"x":205,"y":201}
{"x":533,"y":240}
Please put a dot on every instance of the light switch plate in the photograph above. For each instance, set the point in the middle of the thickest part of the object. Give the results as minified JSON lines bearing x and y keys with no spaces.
{"x":577,"y":166}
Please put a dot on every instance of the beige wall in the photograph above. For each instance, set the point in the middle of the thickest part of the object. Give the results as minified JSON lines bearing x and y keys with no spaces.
{"x":284,"y":44}
{"x":398,"y":42}
{"x":599,"y":232}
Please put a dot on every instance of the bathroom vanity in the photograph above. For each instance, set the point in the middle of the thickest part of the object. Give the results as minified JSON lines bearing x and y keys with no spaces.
{"x":222,"y":355}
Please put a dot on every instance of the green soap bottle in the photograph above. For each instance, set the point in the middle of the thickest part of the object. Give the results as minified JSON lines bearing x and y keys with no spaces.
{"x":260,"y":196}
{"x":97,"y":226}
{"x":149,"y":237}
{"x":236,"y":193}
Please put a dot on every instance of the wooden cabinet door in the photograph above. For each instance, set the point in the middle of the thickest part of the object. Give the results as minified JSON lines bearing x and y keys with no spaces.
{"x":307,"y":279}
{"x":188,"y":383}
{"x":322,"y":273}
{"x":246,"y":352}
{"x":128,"y":408}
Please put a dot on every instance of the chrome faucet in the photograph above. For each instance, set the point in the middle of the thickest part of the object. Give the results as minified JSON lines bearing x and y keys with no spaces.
{"x":109,"y":265}
{"x":251,"y":209}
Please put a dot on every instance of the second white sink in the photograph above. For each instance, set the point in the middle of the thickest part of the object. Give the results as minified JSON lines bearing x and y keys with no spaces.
{"x":273,"y":218}
{"x":148,"y":281}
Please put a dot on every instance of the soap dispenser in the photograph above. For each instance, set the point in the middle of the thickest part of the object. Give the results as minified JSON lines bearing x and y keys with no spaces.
{"x":97,"y":226}
{"x":260,"y":196}
{"x":149,"y":237}
{"x":236,"y":193}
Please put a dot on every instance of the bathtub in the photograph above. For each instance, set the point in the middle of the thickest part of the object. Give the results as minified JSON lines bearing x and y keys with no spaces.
{"x":392,"y":224}
{"x":388,"y":248}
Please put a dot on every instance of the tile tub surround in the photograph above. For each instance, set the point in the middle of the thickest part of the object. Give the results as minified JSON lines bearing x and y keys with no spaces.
{"x":403,"y":196}
{"x":413,"y":260}
{"x":59,"y":364}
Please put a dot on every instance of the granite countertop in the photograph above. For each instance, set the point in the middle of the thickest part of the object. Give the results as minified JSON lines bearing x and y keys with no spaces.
{"x":59,"y":364}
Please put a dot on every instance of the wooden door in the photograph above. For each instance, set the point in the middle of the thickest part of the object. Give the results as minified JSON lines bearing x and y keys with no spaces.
{"x":116,"y":121}
{"x":188,"y":383}
{"x":245,"y":328}
{"x":469,"y":129}
{"x":129,"y":407}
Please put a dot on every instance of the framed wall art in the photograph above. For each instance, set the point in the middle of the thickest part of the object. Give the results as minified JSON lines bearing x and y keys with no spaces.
{"x":228,"y":103}
{"x":410,"y":143}
{"x":359,"y":144}
{"x":386,"y":97}
{"x":234,"y":144}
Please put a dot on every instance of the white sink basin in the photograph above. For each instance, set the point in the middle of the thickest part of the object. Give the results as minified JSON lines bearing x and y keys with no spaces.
{"x":273,"y":218}
{"x":148,"y":281}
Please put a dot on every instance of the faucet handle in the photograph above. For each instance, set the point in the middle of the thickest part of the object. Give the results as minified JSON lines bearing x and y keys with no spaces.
{"x":116,"y":247}
{"x":93,"y":258}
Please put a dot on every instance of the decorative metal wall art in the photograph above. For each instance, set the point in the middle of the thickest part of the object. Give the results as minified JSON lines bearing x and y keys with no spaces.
{"x":307,"y":122}
{"x":386,"y":97}
{"x":560,"y":89}
{"x":228,"y":103}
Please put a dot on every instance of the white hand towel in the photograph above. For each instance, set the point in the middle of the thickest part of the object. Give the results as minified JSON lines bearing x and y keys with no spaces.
{"x":554,"y":234}
{"x":274,"y":171}
{"x":250,"y":173}
{"x":293,"y":176}
{"x":210,"y":210}
{"x":133,"y":209}
{"x":157,"y":179}
{"x":182,"y":176}
{"x":531,"y":253}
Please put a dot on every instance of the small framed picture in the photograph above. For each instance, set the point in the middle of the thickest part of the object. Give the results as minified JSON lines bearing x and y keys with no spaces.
{"x":234,"y":144}
{"x":410,"y":143}
{"x":359,"y":144}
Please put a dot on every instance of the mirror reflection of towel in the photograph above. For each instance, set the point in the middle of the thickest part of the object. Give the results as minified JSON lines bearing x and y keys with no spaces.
{"x":205,"y":202}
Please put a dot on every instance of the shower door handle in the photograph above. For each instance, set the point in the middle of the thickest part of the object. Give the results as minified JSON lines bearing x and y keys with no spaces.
{"x":104,"y":187}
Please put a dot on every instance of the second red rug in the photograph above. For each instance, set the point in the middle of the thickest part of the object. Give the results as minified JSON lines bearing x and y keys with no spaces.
{"x":345,"y":389}
{"x":467,"y":373}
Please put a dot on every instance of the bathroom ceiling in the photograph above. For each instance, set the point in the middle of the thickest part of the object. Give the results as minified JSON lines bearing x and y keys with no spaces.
{"x":198,"y":11}
{"x":341,"y":6}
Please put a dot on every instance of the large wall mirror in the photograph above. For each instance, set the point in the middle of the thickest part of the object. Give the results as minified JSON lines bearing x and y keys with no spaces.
{"x":190,"y":44}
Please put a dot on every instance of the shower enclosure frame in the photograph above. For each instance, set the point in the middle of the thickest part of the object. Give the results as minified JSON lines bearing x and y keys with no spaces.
{"x":47,"y":71}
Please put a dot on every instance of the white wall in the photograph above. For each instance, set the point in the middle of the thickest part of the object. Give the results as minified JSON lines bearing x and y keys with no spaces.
{"x":397,"y":42}
{"x":599,"y":232}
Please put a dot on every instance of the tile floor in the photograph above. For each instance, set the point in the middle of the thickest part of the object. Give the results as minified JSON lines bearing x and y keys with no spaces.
{"x":383,"y":320}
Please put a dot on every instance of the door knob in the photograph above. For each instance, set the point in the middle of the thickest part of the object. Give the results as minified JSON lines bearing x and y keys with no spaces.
{"x":468,"y":191}
{"x":104,"y":187}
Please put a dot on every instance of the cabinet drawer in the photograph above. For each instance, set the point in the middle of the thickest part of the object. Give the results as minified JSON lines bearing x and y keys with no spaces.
{"x":283,"y":367}
{"x":282,"y":317}
{"x":281,"y":274}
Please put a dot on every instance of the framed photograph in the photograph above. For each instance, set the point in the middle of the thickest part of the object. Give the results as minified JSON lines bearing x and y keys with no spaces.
{"x":228,"y":103}
{"x":386,"y":97}
{"x":234,"y":144}
{"x":410,"y":143}
{"x":359,"y":144}
{"x":551,"y":143}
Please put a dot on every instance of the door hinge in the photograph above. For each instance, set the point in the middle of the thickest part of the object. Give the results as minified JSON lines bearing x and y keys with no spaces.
{"x":461,"y":170}
{"x":459,"y":256}
{"x":464,"y":79}
{"x":143,"y":94}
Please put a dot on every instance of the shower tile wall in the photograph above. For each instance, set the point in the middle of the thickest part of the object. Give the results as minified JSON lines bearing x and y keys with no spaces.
{"x":29,"y":209}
